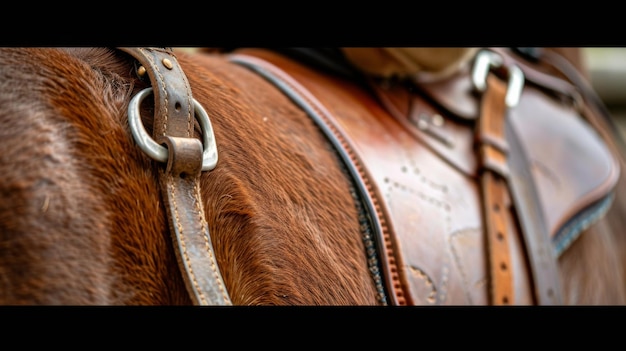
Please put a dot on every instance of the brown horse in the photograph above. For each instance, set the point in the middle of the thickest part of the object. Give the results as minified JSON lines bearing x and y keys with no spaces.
{"x":294,"y":210}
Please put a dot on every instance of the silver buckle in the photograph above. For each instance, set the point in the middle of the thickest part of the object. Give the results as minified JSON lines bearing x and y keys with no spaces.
{"x":486,"y":60}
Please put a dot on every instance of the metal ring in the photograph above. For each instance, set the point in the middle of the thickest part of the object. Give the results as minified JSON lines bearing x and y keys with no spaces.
{"x":160,"y":153}
{"x":485,"y":60}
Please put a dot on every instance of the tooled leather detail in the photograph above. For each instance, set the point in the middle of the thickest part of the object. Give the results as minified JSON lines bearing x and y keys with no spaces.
{"x":430,"y":287}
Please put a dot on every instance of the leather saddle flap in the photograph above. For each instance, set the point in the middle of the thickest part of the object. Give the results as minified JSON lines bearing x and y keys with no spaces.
{"x":573,"y":169}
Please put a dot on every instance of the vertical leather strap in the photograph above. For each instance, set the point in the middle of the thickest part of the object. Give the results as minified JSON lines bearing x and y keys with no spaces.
{"x":507,"y":182}
{"x":494,"y":172}
{"x":525,"y":196}
{"x":174,"y":128}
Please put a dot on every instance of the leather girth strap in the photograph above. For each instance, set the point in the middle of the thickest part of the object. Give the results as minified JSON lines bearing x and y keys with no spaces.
{"x":494,"y":171}
{"x":506,"y":184}
{"x":179,"y":180}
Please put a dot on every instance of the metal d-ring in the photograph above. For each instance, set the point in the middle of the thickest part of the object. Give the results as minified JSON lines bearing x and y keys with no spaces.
{"x":160,"y":153}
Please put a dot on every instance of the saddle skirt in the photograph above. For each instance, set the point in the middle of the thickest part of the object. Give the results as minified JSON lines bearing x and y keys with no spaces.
{"x":412,"y":148}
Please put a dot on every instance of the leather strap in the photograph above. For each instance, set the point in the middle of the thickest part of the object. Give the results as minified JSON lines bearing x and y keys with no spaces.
{"x":507,"y":182}
{"x":493,"y":151}
{"x":174,"y":127}
{"x":525,"y":195}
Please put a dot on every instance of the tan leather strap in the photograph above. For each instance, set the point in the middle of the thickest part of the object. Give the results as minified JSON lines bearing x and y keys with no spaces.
{"x":493,"y":151}
{"x":174,"y":127}
{"x":507,"y":183}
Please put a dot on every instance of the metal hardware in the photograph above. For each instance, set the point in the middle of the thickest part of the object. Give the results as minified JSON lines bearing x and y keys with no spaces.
{"x":486,"y":60}
{"x":160,"y":153}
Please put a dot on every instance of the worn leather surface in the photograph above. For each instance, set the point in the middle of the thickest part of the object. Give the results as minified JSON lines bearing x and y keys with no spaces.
{"x":424,"y":173}
{"x":174,"y":127}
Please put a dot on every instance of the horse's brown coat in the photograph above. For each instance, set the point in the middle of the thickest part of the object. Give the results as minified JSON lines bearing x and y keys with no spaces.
{"x":81,"y":220}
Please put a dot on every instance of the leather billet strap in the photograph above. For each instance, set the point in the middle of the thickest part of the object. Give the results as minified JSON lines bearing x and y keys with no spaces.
{"x":179,"y":179}
{"x":506,"y":183}
{"x":494,"y":172}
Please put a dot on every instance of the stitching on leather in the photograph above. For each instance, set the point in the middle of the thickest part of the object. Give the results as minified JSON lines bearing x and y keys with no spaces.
{"x":428,"y":282}
{"x":190,"y":116}
{"x":458,"y":261}
{"x":384,"y":228}
{"x":439,"y":291}
{"x":207,"y":244}
{"x":173,"y":190}
{"x":172,"y":184}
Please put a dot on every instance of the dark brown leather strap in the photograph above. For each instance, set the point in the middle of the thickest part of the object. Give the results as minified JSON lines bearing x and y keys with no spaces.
{"x":174,"y":127}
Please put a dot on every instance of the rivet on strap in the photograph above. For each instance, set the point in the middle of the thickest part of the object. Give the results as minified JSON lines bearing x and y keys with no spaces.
{"x":173,"y":127}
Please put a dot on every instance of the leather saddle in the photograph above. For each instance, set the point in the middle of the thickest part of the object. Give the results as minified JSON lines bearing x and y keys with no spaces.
{"x":476,"y":183}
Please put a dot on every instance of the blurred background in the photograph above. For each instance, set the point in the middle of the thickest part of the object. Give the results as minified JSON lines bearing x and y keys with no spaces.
{"x":607,"y":67}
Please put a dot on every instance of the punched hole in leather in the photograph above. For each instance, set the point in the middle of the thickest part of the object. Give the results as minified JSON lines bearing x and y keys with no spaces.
{"x":493,"y":151}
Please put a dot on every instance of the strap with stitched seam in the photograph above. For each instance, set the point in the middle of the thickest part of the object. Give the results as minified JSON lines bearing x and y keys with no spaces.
{"x":174,"y":127}
{"x":506,"y":182}
{"x":494,"y":172}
